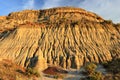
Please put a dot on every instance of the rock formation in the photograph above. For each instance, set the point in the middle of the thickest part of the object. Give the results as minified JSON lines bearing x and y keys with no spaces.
{"x":67,"y":37}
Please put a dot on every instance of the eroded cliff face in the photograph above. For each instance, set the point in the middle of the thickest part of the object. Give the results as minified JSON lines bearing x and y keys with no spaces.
{"x":52,"y":15}
{"x":66,"y":37}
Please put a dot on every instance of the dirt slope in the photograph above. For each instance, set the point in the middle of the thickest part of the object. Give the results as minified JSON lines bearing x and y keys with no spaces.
{"x":67,"y":37}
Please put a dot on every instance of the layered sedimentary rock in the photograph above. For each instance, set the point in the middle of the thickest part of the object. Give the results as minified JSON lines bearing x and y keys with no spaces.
{"x":66,"y":37}
{"x":52,"y":15}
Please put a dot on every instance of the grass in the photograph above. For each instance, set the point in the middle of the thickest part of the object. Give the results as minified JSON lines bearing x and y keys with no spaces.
{"x":8,"y":70}
{"x":11,"y":71}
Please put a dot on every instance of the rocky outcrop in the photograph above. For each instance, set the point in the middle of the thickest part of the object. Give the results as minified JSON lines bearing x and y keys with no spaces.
{"x":70,"y":12}
{"x":25,"y":15}
{"x":60,"y":39}
{"x":52,"y":15}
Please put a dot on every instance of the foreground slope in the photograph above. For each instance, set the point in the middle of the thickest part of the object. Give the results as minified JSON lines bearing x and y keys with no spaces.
{"x":67,"y":37}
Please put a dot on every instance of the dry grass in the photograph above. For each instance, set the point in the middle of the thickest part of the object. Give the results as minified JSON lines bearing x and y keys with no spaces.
{"x":11,"y":71}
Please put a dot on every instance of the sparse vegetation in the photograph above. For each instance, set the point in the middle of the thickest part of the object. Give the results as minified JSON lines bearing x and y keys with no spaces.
{"x":108,"y":21}
{"x":112,"y":67}
{"x":64,"y":37}
{"x":60,"y":76}
{"x":57,"y":76}
{"x":92,"y":74}
{"x":96,"y":76}
{"x":9,"y":70}
{"x":31,"y":71}
{"x":90,"y":68}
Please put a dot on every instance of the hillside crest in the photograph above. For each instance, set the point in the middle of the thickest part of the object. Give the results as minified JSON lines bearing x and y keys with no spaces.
{"x":66,"y":36}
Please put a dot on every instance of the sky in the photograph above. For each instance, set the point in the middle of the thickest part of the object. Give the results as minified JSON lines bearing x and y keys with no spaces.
{"x":108,"y":9}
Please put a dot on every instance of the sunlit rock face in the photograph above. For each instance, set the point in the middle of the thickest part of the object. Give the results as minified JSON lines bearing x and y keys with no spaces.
{"x":65,"y":36}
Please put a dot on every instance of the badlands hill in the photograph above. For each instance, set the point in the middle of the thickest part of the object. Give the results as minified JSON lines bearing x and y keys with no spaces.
{"x":65,"y":36}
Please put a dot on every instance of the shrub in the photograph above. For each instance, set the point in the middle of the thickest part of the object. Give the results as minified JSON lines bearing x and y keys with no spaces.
{"x":105,"y":64}
{"x":96,"y":76}
{"x":56,"y":76}
{"x":108,"y":21}
{"x":113,"y":66}
{"x":31,"y":71}
{"x":90,"y":68}
{"x":92,"y":73}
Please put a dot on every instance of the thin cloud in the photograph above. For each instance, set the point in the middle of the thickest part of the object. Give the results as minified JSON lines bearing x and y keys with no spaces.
{"x":58,"y":3}
{"x":108,"y":9}
{"x":30,"y":4}
{"x":51,"y":3}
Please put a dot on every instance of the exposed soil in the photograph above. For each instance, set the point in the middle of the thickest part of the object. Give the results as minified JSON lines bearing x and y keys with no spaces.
{"x":54,"y":71}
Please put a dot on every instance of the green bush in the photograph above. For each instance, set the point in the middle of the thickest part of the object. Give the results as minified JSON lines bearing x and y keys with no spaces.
{"x":96,"y":76}
{"x":92,"y":73}
{"x":90,"y":68}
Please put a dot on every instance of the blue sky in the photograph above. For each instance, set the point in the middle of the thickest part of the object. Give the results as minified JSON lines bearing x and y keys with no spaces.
{"x":108,"y":9}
